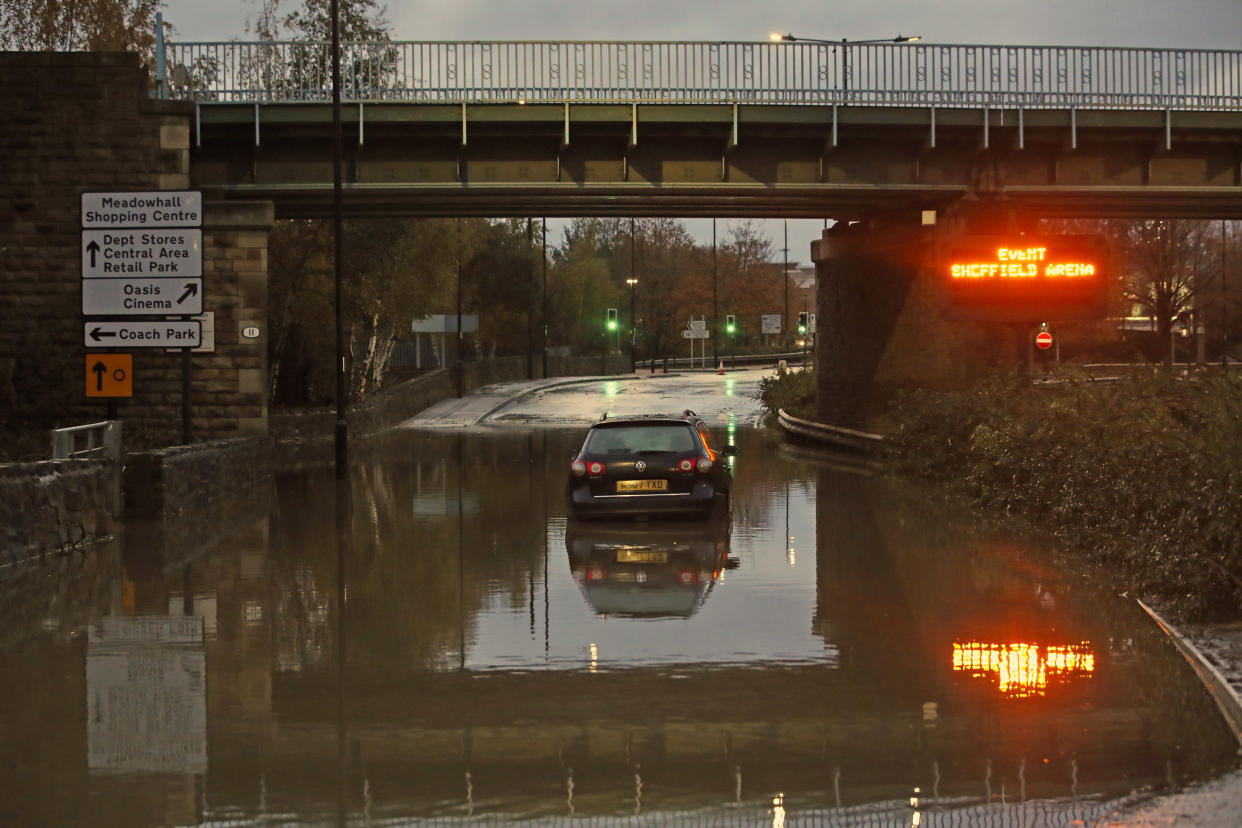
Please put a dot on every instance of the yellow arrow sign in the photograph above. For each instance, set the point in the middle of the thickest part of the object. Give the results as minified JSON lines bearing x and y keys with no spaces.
{"x":109,"y":375}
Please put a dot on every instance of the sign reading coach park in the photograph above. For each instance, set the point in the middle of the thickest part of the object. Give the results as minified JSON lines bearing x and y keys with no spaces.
{"x":1024,"y":278}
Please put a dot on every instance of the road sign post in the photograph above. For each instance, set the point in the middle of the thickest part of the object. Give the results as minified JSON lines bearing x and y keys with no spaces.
{"x":142,"y":255}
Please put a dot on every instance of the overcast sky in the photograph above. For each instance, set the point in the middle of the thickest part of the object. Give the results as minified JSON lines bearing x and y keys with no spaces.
{"x":1206,"y":24}
{"x":1200,"y":24}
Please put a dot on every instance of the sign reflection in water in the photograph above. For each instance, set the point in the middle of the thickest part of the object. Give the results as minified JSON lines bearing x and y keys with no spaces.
{"x":1024,"y":670}
{"x":146,"y":695}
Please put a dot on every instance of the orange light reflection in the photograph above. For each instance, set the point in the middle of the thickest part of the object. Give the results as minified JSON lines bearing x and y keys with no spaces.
{"x":1024,"y":670}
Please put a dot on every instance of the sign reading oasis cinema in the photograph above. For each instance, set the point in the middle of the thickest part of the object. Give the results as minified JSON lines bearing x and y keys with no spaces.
{"x":1026,"y":278}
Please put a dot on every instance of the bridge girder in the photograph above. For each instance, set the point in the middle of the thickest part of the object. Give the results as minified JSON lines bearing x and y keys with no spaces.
{"x":721,"y":160}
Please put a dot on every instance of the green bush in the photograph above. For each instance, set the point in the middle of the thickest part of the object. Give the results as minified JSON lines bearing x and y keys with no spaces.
{"x":793,"y":391}
{"x":1142,"y":476}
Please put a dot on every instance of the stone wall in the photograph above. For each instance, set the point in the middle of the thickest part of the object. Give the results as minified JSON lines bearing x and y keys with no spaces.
{"x":205,"y":479}
{"x":73,"y":123}
{"x":84,"y":122}
{"x":54,"y":506}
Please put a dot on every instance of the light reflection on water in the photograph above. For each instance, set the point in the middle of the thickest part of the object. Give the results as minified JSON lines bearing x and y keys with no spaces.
{"x":842,"y":642}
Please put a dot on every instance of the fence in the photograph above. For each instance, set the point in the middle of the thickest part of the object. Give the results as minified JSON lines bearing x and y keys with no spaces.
{"x":802,"y":72}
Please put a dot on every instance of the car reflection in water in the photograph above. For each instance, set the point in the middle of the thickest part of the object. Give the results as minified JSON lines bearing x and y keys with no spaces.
{"x":656,"y":569}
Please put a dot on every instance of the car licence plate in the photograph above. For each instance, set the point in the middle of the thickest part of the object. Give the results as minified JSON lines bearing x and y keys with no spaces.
{"x":642,"y":485}
{"x":647,"y":556}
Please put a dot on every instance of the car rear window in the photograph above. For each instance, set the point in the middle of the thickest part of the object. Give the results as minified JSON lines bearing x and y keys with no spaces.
{"x":637,"y":438}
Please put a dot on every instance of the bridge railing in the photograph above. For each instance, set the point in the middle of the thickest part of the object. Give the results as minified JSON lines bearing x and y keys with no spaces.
{"x":883,"y":74}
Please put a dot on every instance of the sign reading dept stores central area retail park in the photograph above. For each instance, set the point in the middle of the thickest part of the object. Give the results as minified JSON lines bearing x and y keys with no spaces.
{"x":142,"y":255}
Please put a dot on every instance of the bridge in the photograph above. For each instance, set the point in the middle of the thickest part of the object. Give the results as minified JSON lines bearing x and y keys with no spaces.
{"x":978,"y":138}
{"x":789,"y":129}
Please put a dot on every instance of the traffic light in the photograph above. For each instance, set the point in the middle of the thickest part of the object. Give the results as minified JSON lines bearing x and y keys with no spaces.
{"x":730,"y":324}
{"x":802,"y":323}
{"x":611,"y":323}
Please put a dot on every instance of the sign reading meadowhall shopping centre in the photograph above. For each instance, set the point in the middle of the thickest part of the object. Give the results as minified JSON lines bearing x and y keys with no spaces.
{"x":156,"y":208}
{"x":1023,"y":278}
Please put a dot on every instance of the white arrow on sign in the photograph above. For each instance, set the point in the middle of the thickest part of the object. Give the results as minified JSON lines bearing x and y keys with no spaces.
{"x":113,"y":333}
{"x":113,"y":254}
{"x":141,"y":297}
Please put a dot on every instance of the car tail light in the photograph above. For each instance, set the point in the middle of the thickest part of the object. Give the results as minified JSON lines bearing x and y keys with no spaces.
{"x":579,"y":469}
{"x":686,"y":465}
{"x":704,"y":465}
{"x":596,"y":468}
{"x":595,"y":573}
{"x":689,"y":576}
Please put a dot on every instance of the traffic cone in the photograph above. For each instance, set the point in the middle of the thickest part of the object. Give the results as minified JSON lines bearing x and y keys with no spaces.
{"x":721,"y":371}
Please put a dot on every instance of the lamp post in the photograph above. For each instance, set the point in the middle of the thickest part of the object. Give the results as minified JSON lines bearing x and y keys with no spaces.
{"x":341,"y":430}
{"x":633,"y":324}
{"x":785,"y":273}
{"x":844,"y":43}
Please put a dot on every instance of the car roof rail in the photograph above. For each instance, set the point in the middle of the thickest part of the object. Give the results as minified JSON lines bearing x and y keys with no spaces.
{"x":687,"y":414}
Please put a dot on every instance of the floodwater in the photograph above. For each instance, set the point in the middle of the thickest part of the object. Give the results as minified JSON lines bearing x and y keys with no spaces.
{"x":437,"y":644}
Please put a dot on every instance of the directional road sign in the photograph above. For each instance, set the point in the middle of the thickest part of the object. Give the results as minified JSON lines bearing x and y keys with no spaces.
{"x":174,"y":254}
{"x":109,"y":375}
{"x":692,"y":334}
{"x":159,"y":208}
{"x":141,"y":297}
{"x":114,"y":333}
{"x":697,"y":325}
{"x":771,"y":323}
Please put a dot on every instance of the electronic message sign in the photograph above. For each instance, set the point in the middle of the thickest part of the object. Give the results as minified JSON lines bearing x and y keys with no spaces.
{"x":1025,"y":278}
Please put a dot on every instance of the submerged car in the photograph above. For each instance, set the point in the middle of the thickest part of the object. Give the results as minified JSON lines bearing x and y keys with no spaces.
{"x":650,"y":466}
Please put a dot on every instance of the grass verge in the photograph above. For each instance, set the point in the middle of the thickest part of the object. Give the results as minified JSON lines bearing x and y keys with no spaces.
{"x":1140,"y":479}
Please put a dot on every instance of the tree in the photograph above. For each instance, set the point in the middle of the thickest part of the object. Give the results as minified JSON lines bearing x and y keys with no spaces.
{"x":303,"y":69}
{"x":80,"y":26}
{"x":499,"y":272}
{"x":580,"y":287}
{"x":750,"y":285}
{"x":397,"y":270}
{"x":1167,"y":265}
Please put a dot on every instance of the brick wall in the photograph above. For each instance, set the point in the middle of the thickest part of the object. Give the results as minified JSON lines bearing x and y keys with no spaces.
{"x":77,"y":122}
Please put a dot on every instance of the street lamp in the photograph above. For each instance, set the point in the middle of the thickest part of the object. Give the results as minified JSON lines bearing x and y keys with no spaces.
{"x":844,"y":43}
{"x":633,"y":324}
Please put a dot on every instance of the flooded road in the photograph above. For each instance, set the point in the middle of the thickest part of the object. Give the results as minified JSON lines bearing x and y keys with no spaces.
{"x":846,"y":650}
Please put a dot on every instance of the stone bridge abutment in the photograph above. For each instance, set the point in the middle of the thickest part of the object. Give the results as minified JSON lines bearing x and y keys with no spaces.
{"x":883,"y":315}
{"x":85,"y":122}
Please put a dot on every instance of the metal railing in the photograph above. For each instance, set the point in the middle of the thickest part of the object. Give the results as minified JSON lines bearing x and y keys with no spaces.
{"x":887,"y":74}
{"x":101,"y":440}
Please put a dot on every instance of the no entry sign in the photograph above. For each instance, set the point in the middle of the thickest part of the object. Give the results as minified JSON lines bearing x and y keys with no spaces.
{"x":1043,"y":340}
